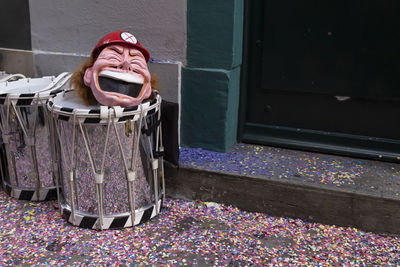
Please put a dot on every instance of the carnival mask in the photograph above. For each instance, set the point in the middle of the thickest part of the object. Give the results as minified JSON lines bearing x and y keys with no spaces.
{"x":119,"y":75}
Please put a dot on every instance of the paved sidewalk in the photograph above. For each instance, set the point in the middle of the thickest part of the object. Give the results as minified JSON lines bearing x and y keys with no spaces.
{"x":186,"y":233}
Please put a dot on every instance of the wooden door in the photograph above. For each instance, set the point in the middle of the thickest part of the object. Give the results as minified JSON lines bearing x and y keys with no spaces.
{"x":323,"y":76}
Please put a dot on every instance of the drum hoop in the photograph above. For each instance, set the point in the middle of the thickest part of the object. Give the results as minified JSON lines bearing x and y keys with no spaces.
{"x":116,"y":214}
{"x":147,"y":213}
{"x":23,"y":193}
{"x":127,"y":113}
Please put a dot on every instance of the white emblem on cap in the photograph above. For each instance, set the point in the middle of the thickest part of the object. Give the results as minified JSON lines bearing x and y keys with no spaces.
{"x":128,"y":37}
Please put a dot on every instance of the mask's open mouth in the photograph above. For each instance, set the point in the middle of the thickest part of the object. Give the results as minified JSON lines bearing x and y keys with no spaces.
{"x":122,"y":83}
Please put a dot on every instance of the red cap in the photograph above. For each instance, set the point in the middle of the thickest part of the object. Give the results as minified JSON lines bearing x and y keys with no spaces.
{"x":120,"y":37}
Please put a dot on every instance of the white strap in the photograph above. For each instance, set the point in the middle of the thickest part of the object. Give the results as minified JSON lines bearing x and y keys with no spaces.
{"x":103,"y":112}
{"x":131,"y":176}
{"x":6,"y":138}
{"x":154,"y":164}
{"x":99,"y":178}
{"x":118,"y":111}
{"x":71,"y":175}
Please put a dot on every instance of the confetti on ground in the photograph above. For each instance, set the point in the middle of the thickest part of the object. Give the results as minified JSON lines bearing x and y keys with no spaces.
{"x":185,"y":233}
{"x":277,"y":163}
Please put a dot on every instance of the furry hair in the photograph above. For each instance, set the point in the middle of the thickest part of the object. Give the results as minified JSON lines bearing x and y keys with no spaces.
{"x":77,"y":82}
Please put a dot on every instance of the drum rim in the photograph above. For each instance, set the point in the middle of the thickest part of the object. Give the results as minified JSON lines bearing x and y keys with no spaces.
{"x":112,"y":215}
{"x":69,"y":217}
{"x":17,"y":192}
{"x":91,"y":112}
{"x":51,"y":89}
{"x":13,"y":94}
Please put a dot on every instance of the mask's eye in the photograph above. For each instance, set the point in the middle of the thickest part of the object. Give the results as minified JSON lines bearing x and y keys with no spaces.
{"x":116,"y":50}
{"x":113,"y":58}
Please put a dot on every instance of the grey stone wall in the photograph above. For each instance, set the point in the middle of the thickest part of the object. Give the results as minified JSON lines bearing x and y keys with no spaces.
{"x":75,"y":26}
{"x":65,"y":32}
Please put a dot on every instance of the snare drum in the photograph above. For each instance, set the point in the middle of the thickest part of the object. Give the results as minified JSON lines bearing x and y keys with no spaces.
{"x":5,"y":77}
{"x":109,"y":162}
{"x":26,"y":138}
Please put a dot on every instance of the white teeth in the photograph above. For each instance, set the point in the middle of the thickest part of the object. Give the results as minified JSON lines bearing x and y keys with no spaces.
{"x":123,"y":76}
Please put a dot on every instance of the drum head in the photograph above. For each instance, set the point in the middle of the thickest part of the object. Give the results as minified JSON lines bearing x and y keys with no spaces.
{"x":71,"y":100}
{"x":26,"y":86}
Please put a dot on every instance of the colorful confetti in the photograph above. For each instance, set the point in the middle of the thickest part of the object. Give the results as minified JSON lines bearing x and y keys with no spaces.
{"x":185,"y":233}
{"x":368,"y":176}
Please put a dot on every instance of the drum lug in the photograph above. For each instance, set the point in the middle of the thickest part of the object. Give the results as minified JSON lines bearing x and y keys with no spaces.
{"x":128,"y":127}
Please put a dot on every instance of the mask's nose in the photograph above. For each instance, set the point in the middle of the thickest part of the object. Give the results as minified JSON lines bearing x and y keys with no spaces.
{"x":125,"y":65}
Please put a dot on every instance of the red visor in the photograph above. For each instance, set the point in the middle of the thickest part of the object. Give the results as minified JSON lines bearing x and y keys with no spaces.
{"x":123,"y":38}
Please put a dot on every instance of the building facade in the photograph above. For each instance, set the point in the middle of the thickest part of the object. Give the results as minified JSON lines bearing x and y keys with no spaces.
{"x":304,"y":75}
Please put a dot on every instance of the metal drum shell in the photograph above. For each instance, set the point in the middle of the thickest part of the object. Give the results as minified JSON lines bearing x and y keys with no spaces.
{"x":26,"y":170}
{"x":68,"y":111}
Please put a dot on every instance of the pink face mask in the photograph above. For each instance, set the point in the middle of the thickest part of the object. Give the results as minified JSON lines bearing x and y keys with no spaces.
{"x":119,"y":77}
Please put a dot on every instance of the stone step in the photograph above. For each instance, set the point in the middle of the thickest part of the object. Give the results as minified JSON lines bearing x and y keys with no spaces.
{"x":314,"y":187}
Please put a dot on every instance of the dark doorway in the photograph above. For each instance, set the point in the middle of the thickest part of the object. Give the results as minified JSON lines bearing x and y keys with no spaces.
{"x":323,"y":76}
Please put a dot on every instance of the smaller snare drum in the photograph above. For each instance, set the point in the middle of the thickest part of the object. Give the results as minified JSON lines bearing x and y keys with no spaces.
{"x":109,"y":162}
{"x":5,"y":77}
{"x":26,"y":139}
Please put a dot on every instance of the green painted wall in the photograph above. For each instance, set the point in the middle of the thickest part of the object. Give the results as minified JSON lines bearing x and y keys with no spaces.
{"x":210,"y":81}
{"x":214,"y":33}
{"x":209,"y":111}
